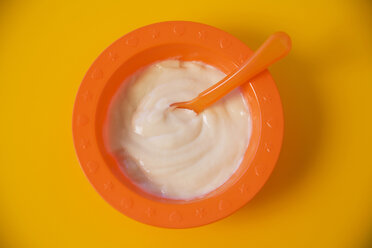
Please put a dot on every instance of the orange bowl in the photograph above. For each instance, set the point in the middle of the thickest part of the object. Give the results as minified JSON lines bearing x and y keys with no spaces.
{"x":185,"y":41}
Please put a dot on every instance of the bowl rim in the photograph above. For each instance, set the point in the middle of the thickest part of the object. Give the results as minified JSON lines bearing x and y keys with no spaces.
{"x":163,"y":214}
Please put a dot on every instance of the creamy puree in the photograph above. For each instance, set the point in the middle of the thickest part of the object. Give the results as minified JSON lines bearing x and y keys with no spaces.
{"x":175,"y":153}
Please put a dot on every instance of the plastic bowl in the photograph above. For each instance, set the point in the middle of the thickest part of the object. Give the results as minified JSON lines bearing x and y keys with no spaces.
{"x":185,"y":41}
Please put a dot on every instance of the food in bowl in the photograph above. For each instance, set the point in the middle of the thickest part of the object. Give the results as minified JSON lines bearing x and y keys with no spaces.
{"x":175,"y":153}
{"x":186,"y":41}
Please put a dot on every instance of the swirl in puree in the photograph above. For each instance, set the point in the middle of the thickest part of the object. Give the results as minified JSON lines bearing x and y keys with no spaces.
{"x":174,"y":153}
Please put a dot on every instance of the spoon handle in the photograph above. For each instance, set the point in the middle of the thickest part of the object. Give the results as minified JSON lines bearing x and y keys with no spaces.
{"x":274,"y":48}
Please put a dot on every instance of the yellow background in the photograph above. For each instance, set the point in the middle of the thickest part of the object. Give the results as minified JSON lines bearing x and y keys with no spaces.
{"x":320,"y":194}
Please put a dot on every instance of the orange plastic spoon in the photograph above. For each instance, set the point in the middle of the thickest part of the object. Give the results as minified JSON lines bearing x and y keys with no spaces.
{"x":274,"y":48}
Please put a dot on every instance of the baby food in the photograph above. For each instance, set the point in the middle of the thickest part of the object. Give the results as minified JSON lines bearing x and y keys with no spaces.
{"x":175,"y":153}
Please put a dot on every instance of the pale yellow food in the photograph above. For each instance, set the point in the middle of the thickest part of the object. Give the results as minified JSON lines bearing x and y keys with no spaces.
{"x":176,"y":153}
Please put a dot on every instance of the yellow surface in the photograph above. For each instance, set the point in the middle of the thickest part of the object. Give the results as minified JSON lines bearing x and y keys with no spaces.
{"x":320,"y":194}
